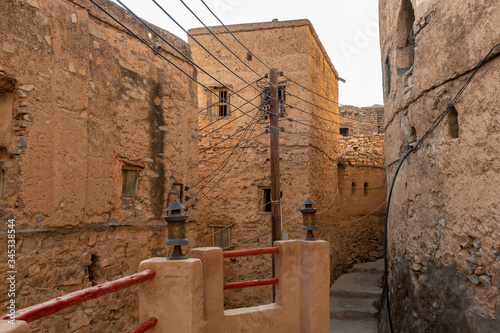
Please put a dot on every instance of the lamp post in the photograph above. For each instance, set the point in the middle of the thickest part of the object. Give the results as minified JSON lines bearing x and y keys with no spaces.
{"x":309,"y":219}
{"x":176,"y":230}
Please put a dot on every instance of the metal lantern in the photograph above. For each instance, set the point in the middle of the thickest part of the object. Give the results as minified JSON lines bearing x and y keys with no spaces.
{"x":176,"y":230}
{"x":309,"y":219}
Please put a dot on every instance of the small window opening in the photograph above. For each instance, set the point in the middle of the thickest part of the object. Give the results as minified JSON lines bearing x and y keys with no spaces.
{"x":353,"y":188}
{"x":365,"y":189}
{"x":387,"y":78}
{"x":266,"y":199}
{"x":344,"y":131}
{"x":221,"y":236}
{"x":221,"y":107}
{"x":453,"y":129}
{"x":249,"y":56}
{"x":130,"y":178}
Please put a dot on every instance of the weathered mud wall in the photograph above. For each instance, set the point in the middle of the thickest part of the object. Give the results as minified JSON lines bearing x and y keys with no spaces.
{"x":291,"y":47}
{"x":444,"y":244}
{"x":84,"y":101}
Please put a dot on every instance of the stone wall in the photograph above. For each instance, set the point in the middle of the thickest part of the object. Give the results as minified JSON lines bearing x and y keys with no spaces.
{"x":85,"y":101}
{"x":443,"y":239}
{"x":364,"y":120}
{"x":237,"y":200}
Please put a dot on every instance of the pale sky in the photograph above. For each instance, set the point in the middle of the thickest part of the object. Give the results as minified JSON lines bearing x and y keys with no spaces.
{"x":348,"y":30}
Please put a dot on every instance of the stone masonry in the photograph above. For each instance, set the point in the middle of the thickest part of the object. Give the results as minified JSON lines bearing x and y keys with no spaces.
{"x":238,"y":201}
{"x":444,"y":244}
{"x":95,"y":132}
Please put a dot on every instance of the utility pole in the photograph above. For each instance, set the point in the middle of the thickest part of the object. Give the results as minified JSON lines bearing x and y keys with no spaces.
{"x":275,"y":165}
{"x":275,"y":159}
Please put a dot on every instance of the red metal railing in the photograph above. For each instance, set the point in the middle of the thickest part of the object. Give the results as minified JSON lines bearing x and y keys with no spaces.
{"x":253,"y":283}
{"x":250,"y":252}
{"x":144,"y":326}
{"x":47,"y":308}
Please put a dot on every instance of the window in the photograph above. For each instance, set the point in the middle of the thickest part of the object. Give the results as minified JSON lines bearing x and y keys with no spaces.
{"x":129,"y":182}
{"x":365,"y":189}
{"x":353,"y":188}
{"x":265,"y":97}
{"x":344,"y":131}
{"x":266,"y":199}
{"x":218,"y":104}
{"x":453,"y":123}
{"x":222,"y":235}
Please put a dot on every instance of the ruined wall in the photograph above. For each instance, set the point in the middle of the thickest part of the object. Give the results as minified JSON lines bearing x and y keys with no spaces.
{"x":86,"y":101}
{"x":443,"y":225}
{"x":365,"y":120}
{"x":291,"y":47}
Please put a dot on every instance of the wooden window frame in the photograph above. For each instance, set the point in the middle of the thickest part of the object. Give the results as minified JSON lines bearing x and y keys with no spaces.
{"x":214,"y":108}
{"x":218,"y":230}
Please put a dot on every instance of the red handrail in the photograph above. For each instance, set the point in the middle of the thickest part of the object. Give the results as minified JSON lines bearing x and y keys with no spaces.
{"x":144,"y":326}
{"x":253,"y":283}
{"x":47,"y":308}
{"x":250,"y":252}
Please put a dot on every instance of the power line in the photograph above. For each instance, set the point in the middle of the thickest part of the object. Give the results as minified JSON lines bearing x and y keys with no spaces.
{"x":210,"y":53}
{"x":218,"y":168}
{"x":234,"y":36}
{"x":401,"y":161}
{"x":225,"y":124}
{"x":225,"y":151}
{"x":329,"y":111}
{"x":312,"y":137}
{"x":300,"y":85}
{"x":218,"y":39}
{"x":162,"y":56}
{"x":229,"y":136}
{"x":183,"y":55}
{"x":223,"y":176}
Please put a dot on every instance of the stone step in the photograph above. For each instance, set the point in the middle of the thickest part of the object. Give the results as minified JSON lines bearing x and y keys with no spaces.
{"x":375,"y":267}
{"x":353,"y":308}
{"x":356,"y":285}
{"x":353,"y":326}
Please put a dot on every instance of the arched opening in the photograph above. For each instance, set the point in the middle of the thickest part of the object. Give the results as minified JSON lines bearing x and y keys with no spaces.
{"x":353,"y":188}
{"x":405,"y":38}
{"x":365,"y":189}
{"x":453,"y":130}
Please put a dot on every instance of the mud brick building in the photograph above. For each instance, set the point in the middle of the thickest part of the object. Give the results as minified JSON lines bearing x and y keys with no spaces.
{"x":92,"y":141}
{"x":444,"y":244}
{"x":234,"y":212}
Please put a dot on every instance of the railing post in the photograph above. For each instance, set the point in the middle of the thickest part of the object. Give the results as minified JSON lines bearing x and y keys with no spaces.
{"x":174,"y":296}
{"x":315,"y":300}
{"x":213,"y":282}
{"x":19,"y":327}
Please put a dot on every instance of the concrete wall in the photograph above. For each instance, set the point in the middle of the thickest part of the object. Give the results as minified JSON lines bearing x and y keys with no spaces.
{"x":302,"y":293}
{"x":291,"y":47}
{"x":444,"y":244}
{"x":88,"y":99}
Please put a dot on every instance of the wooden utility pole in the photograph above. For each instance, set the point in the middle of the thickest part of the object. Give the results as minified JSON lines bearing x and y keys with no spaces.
{"x":275,"y":159}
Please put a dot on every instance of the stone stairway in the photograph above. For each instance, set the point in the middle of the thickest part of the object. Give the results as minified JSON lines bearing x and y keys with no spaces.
{"x":353,"y":299}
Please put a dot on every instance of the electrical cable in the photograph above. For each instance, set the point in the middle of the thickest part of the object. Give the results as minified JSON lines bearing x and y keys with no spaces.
{"x":185,"y":56}
{"x":162,"y":56}
{"x":220,"y":166}
{"x":228,"y":137}
{"x":312,"y":137}
{"x":225,"y":151}
{"x":200,"y":44}
{"x":439,"y":118}
{"x":220,"y":41}
{"x":235,"y":36}
{"x":225,"y":124}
